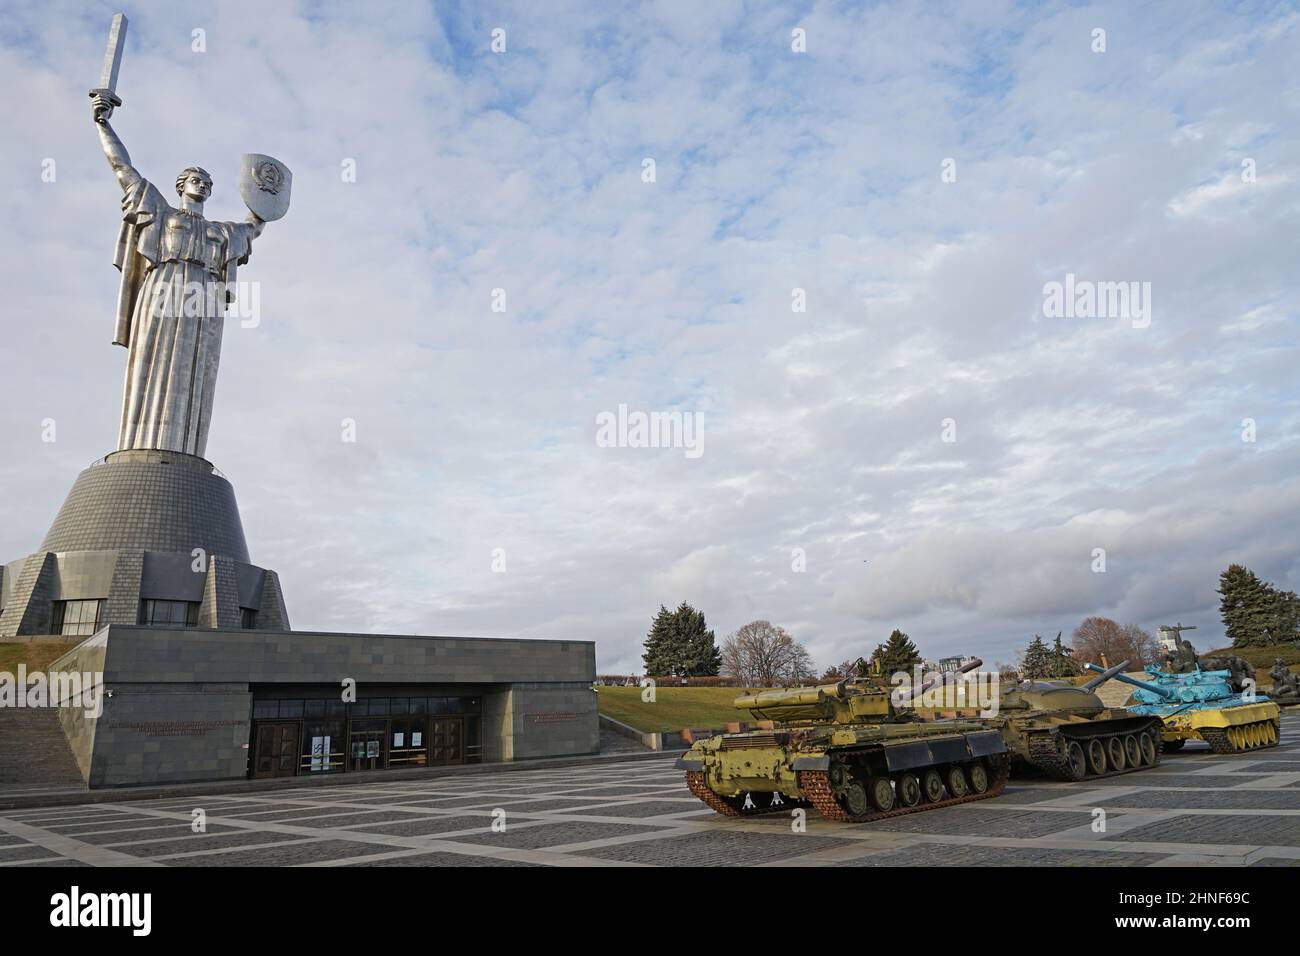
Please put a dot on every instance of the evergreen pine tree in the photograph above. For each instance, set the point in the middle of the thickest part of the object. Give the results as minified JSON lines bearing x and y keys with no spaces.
{"x":1063,"y":663}
{"x":1283,"y":618}
{"x":699,"y":647}
{"x":680,"y":644}
{"x":898,"y":653}
{"x":1037,"y":661}
{"x":662,"y":657}
{"x":1248,"y":607}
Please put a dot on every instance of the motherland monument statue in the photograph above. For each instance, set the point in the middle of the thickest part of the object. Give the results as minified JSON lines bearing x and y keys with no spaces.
{"x":178,"y":273}
{"x":150,"y":534}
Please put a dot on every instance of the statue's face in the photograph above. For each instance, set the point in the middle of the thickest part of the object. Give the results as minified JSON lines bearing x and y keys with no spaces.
{"x":197,"y":187}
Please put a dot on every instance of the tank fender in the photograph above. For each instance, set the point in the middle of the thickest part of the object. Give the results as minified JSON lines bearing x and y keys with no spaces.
{"x":691,"y":760}
{"x":812,"y":763}
{"x":986,"y":743}
{"x":922,"y":753}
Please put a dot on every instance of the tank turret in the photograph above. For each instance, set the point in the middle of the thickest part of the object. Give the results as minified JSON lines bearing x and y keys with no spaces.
{"x":846,"y":702}
{"x":1204,"y":705}
{"x":1192,"y":687}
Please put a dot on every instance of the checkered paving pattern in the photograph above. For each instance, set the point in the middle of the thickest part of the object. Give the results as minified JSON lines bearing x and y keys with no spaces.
{"x":1194,"y":809}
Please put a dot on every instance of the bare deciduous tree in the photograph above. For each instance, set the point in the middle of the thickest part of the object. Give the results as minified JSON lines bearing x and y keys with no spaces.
{"x":1100,"y":637}
{"x":764,"y":655}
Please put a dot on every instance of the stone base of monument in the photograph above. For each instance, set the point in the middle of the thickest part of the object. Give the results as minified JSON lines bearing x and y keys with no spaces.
{"x":194,"y":674}
{"x":140,"y":535}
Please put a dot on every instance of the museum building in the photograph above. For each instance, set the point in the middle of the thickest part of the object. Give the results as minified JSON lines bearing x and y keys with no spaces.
{"x":203,"y":678}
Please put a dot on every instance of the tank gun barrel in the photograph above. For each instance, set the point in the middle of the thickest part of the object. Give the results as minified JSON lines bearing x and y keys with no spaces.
{"x":964,"y":669}
{"x":1162,"y":692}
{"x":1106,"y":674}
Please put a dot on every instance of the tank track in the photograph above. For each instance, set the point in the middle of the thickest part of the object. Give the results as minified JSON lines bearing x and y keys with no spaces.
{"x":1044,"y":755}
{"x":1221,"y":742}
{"x":817,"y":785}
{"x":734,"y":806}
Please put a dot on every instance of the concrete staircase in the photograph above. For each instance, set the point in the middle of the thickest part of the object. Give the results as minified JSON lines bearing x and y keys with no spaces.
{"x":33,"y":750}
{"x":1115,"y":693}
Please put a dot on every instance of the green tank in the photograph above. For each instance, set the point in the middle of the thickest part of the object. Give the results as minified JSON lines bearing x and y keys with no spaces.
{"x":847,"y":751}
{"x":1066,"y":731}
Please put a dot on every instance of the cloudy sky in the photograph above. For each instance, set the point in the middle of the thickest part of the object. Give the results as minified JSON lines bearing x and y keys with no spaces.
{"x":1170,"y":158}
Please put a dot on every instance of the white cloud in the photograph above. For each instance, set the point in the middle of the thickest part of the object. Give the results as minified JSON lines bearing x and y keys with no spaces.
{"x":776,"y":171}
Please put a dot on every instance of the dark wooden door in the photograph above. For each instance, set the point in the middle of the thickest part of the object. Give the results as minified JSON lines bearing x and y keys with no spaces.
{"x":446,"y":740}
{"x":275,"y":751}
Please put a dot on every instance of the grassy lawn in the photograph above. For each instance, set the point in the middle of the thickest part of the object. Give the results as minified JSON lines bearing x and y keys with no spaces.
{"x":37,"y":657}
{"x":674,"y":708}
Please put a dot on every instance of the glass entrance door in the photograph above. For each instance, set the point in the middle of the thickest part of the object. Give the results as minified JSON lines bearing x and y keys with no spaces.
{"x":366,"y":744}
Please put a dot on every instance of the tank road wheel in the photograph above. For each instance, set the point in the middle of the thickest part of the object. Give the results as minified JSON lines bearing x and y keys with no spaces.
{"x":837,"y":775}
{"x":979,"y":777}
{"x":956,"y":780}
{"x":1076,"y":764}
{"x":1147,"y":745}
{"x":1115,"y":753}
{"x":1132,"y":752}
{"x":932,"y":784}
{"x":908,"y":790}
{"x":1096,"y":757}
{"x":1274,"y":732}
{"x":855,"y":799}
{"x":1172,"y":745}
{"x":882,"y":793}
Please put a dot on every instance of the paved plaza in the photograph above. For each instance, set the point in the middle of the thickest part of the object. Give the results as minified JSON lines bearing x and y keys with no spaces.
{"x":1193,"y":809}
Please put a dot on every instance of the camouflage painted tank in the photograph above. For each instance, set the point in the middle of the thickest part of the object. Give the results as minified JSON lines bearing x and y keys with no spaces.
{"x":847,"y":751}
{"x":1066,"y":731}
{"x":1205,"y":705}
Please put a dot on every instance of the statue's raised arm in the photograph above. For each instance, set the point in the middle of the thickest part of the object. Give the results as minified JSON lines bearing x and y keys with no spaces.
{"x":101,"y":108}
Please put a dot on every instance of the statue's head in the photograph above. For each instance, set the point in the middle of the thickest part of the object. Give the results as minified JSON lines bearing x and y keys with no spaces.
{"x":195,"y":182}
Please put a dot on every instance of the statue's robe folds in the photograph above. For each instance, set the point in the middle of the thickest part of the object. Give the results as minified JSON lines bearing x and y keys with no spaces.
{"x":178,"y":274}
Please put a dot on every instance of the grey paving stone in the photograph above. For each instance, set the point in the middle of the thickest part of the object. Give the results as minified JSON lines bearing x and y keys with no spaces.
{"x":536,"y":836}
{"x":1023,"y":795}
{"x":28,"y":851}
{"x":267,"y":815}
{"x":538,"y":806}
{"x":718,"y":848}
{"x":119,"y":822}
{"x":454,"y":803}
{"x":200,"y":841}
{"x":150,"y":833}
{"x":1206,"y":800}
{"x":359,"y":818}
{"x":428,"y":825}
{"x":289,"y":855}
{"x":1276,"y":861}
{"x":445,"y":859}
{"x":1159,"y":779}
{"x":59,"y":862}
{"x":620,"y":791}
{"x":1216,"y":829}
{"x":649,"y":808}
{"x":941,"y":854}
{"x":1274,"y":766}
{"x":968,"y":821}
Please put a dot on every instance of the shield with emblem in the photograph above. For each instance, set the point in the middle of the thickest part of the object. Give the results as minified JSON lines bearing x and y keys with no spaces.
{"x":264,"y":185}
